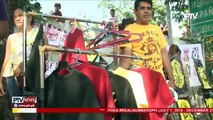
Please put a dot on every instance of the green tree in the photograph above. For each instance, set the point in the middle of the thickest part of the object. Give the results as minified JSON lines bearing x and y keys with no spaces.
{"x":159,"y":11}
{"x":179,"y":9}
{"x":124,"y":9}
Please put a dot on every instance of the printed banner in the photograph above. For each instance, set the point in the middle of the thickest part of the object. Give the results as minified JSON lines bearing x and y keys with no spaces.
{"x":189,"y":53}
{"x":55,"y":35}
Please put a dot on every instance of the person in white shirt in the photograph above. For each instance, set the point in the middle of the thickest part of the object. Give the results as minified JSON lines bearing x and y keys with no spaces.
{"x":113,"y":17}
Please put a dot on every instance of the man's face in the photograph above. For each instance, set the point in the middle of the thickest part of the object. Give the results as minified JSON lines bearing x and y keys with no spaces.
{"x":144,"y":12}
{"x":112,"y":13}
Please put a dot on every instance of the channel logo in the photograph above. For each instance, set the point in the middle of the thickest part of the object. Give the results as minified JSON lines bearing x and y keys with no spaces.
{"x":24,"y":101}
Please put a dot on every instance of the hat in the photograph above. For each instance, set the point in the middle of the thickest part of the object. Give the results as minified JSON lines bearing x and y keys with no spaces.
{"x":37,"y":5}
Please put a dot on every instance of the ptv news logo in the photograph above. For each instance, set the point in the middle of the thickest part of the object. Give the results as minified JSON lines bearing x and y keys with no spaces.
{"x":24,"y":99}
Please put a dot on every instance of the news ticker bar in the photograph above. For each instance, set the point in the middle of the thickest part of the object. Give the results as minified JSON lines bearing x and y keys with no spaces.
{"x":112,"y":110}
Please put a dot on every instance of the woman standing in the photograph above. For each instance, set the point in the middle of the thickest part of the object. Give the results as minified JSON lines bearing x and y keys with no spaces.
{"x":13,"y":62}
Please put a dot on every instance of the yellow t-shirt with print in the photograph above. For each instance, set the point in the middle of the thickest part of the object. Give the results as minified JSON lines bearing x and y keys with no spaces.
{"x":151,"y":44}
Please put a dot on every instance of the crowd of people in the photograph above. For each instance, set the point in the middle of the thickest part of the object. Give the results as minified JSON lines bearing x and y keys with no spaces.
{"x":153,"y":44}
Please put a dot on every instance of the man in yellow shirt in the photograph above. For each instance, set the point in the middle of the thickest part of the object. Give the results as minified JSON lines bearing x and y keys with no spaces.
{"x":153,"y":43}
